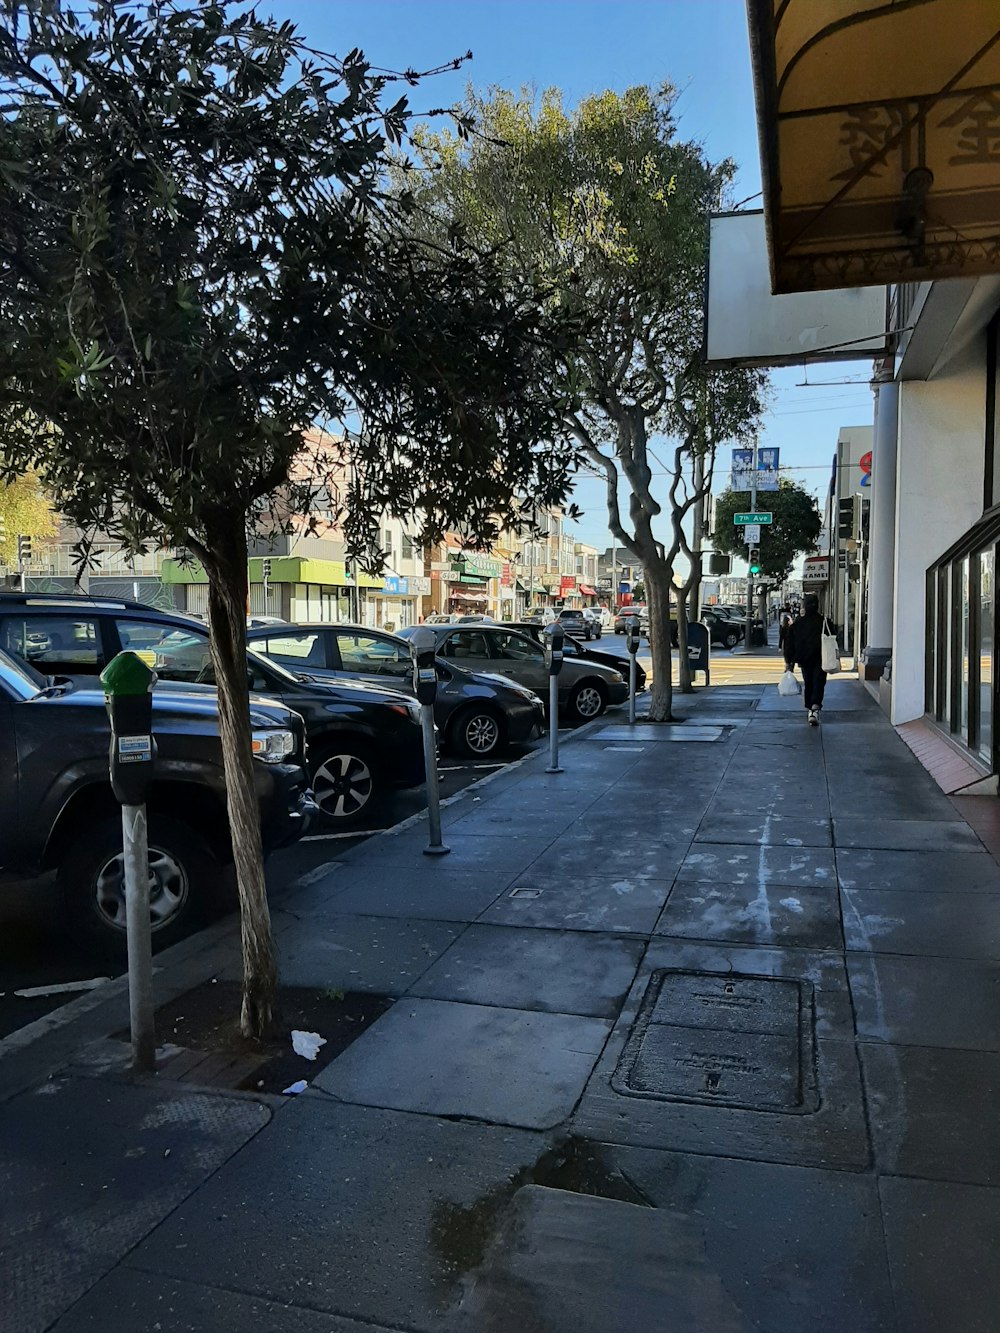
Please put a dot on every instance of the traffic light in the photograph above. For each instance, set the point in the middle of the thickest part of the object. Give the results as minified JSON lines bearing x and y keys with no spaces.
{"x":266,"y":567}
{"x":23,"y":549}
{"x":845,"y":518}
{"x":754,"y":564}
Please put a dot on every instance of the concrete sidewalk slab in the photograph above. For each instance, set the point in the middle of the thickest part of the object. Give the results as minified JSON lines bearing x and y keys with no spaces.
{"x":926,"y":871}
{"x":560,"y":971}
{"x":943,"y":1241}
{"x":171,"y":1305}
{"x":609,"y":904}
{"x":506,"y":1066}
{"x":429,"y":891}
{"x":914,"y":835}
{"x":927,"y":1112}
{"x":800,"y":918}
{"x":944,"y":925}
{"x":363,"y":953}
{"x":926,"y":1001}
{"x":774,"y":830}
{"x":762,"y":865}
{"x":71,"y":1209}
{"x":470,"y":852}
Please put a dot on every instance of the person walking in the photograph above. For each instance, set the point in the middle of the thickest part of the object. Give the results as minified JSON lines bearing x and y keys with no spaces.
{"x":803,"y":647}
{"x":784,"y":620}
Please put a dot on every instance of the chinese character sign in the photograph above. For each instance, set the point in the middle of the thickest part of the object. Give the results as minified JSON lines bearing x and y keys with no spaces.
{"x":767,"y":469}
{"x":741,"y":479}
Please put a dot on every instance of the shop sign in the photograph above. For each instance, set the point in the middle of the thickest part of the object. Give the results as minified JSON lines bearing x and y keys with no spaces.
{"x":506,"y":577}
{"x":816,"y":569}
{"x":476,"y":562}
{"x":567,"y":584}
{"x":394,"y":586}
{"x":420,"y":584}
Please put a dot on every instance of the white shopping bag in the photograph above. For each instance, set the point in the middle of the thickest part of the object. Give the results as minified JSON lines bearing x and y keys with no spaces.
{"x":829,"y":652}
{"x":788,"y":685}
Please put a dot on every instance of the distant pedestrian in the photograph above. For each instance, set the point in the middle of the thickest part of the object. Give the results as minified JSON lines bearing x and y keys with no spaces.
{"x":803,"y":647}
{"x":784,"y":620}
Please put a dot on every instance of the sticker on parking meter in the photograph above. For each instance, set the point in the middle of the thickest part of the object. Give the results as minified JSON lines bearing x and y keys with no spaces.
{"x":427,"y":675}
{"x":135,"y":749}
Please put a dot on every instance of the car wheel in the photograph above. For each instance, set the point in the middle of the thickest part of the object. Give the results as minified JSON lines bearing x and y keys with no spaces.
{"x":344,"y":781}
{"x":185,"y":882}
{"x":476,"y":733}
{"x":588,"y":700}
{"x":730,"y":639}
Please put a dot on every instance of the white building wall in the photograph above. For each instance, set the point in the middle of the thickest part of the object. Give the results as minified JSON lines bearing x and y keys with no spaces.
{"x":939,"y":495}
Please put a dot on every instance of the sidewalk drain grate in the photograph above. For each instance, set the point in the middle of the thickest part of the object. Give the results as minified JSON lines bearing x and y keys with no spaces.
{"x":525,"y":893}
{"x":722,"y":1039}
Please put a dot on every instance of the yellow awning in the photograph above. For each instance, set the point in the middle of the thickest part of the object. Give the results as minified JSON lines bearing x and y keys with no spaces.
{"x":880,"y":139}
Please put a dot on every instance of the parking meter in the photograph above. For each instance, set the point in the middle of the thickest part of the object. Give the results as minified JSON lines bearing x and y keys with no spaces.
{"x":128,"y":694}
{"x":553,"y":641}
{"x":633,"y":637}
{"x":423,"y":651}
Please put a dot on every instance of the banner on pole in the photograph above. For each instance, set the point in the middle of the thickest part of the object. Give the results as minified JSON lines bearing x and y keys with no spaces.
{"x":767,"y":469}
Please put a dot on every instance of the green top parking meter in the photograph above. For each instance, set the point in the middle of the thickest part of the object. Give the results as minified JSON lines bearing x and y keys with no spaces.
{"x":423,"y":650}
{"x":128,"y":693}
{"x":633,"y":635}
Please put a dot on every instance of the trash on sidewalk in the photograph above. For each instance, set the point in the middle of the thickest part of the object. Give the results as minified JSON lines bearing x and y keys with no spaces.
{"x":60,"y":988}
{"x":788,"y":685}
{"x":295,"y":1088}
{"x":307,"y":1044}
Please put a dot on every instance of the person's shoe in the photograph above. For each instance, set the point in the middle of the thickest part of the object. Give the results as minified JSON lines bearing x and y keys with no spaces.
{"x":813,"y":718}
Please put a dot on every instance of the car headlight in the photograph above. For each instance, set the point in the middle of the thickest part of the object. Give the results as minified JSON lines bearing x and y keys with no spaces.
{"x":410,"y":709}
{"x":272,"y":747}
{"x":618,"y":677}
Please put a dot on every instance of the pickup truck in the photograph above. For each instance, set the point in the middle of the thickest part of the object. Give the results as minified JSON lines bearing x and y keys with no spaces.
{"x":57,"y":810}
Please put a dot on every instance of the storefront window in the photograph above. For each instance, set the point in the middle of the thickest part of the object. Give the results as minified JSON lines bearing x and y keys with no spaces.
{"x":945,"y":603}
{"x":987,"y":565}
{"x":965,"y":654}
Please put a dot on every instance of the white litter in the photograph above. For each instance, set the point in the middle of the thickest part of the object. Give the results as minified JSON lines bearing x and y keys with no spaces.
{"x":295,"y":1088}
{"x":307,"y":1044}
{"x":60,"y":988}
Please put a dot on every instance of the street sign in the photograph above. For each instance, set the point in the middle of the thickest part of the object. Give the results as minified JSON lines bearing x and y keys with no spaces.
{"x":751,"y":534}
{"x":741,"y":519}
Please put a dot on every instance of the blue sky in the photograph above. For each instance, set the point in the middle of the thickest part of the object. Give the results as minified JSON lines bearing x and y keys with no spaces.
{"x":584,"y":46}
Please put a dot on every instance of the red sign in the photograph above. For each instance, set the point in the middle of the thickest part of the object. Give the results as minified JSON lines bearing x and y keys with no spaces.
{"x":866,"y":462}
{"x":505,"y":574}
{"x":567,"y":584}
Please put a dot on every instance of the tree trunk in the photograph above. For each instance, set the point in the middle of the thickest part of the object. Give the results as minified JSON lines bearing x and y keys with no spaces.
{"x":661,"y":695}
{"x":226,"y":564}
{"x":684,"y":674}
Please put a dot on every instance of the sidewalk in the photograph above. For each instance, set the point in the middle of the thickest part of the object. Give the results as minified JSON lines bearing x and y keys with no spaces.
{"x":700,"y":1035}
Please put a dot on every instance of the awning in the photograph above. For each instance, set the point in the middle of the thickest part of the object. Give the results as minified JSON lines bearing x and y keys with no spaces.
{"x":468,"y":597}
{"x":880,"y":139}
{"x":587,"y":590}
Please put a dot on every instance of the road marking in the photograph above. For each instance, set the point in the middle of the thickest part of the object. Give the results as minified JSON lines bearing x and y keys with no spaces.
{"x":330,"y":837}
{"x":464,"y":768}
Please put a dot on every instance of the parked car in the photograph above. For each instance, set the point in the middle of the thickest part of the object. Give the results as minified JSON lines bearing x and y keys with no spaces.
{"x":723,"y":631}
{"x":573,"y":648}
{"x":593,"y":615}
{"x":576,"y":622}
{"x":254,"y":621}
{"x":57,"y":810}
{"x":477,"y":713}
{"x":625,"y":613}
{"x":457,"y":618}
{"x":363,"y":739}
{"x":586,"y":688}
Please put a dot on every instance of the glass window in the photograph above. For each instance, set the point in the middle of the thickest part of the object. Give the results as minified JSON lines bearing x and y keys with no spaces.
{"x":987,"y":566}
{"x":294,"y":650}
{"x":371,"y":656}
{"x":55,"y":645}
{"x":462,"y":644}
{"x":516,"y":648}
{"x":965,"y":654}
{"x":174,"y":654}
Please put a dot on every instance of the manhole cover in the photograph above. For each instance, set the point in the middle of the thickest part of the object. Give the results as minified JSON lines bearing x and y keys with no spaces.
{"x":722,"y":1038}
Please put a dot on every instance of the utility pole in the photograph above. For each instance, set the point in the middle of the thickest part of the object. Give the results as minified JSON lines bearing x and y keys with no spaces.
{"x":750,"y":560}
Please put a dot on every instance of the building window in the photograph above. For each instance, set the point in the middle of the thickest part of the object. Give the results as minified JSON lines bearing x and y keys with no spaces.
{"x":410,"y":551}
{"x":987,"y":569}
{"x":991,"y":471}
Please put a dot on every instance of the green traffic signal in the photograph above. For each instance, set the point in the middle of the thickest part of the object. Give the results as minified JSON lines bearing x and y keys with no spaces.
{"x":754,"y":568}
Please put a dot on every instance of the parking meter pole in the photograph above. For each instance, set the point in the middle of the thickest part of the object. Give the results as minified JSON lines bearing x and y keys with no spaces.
{"x":633,"y":635}
{"x":140,"y":944}
{"x":423,"y":650}
{"x":553,"y":640}
{"x":128,"y":684}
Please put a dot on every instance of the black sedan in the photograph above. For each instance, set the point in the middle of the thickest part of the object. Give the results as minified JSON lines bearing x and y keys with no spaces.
{"x":477,"y":713}
{"x":573,"y":649}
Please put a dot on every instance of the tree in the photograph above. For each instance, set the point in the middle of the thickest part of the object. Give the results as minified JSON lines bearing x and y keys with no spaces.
{"x":794,"y":528}
{"x":25,"y":510}
{"x":197,"y":263}
{"x":610,"y":210}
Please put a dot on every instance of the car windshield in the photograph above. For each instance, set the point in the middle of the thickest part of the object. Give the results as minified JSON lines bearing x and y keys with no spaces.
{"x":16,"y":679}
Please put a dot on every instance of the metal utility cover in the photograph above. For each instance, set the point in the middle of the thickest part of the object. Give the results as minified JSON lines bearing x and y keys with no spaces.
{"x":722,"y":1038}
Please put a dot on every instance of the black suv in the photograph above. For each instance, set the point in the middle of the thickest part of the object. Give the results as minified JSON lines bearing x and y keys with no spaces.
{"x":57,"y":810}
{"x":362,"y":739}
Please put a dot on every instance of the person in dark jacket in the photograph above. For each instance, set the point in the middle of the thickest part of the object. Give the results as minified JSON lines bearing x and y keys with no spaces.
{"x":803,"y":647}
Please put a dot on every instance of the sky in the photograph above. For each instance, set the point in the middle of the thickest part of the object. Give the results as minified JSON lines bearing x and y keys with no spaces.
{"x":585,"y":46}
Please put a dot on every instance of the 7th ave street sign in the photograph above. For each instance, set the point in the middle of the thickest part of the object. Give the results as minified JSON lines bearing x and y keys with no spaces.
{"x":742,"y":519}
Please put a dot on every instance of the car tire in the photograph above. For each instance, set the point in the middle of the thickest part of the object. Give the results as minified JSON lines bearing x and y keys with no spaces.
{"x":188,"y":883}
{"x":476,"y":733}
{"x":588,"y":700}
{"x":345,"y":781}
{"x":730,"y":639}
